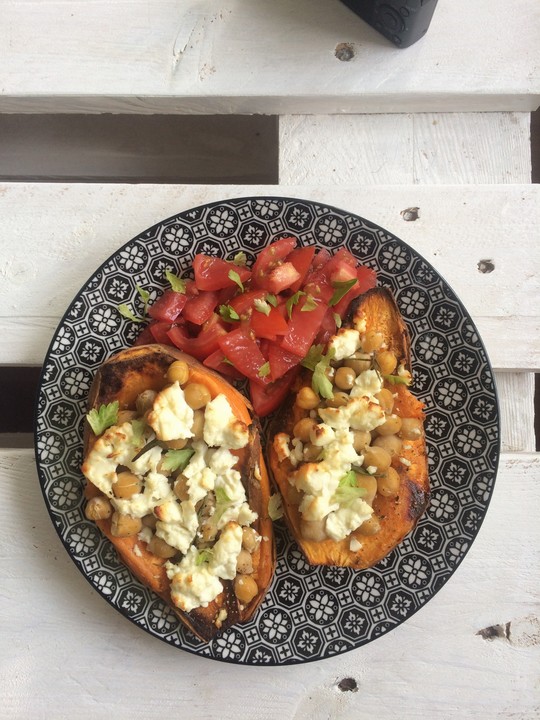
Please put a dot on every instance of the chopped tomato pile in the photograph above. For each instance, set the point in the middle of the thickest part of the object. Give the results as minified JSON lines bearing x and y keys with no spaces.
{"x":259,"y":323}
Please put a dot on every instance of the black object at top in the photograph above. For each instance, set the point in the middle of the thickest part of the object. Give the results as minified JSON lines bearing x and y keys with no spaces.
{"x":403,"y":22}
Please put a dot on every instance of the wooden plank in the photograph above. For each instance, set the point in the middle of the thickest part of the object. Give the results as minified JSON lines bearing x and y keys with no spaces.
{"x":471,"y":652}
{"x":425,"y":148}
{"x":225,"y":56}
{"x":54,"y":236}
{"x":517,"y":409}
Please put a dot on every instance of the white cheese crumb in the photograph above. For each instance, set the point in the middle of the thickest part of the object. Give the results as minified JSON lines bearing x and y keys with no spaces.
{"x":171,"y":418}
{"x":354,"y":545}
{"x":221,"y":427}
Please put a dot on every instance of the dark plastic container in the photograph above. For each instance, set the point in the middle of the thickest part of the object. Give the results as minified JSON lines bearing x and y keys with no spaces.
{"x":403,"y":22}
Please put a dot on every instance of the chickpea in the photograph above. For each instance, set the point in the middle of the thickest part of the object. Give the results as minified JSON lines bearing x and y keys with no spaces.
{"x":362,"y":439}
{"x":307,"y":399}
{"x":126,"y":416}
{"x":98,"y":508}
{"x":391,"y":443}
{"x":387,"y":361}
{"x":145,"y":401}
{"x":181,"y":488}
{"x":386,"y":400}
{"x":377,"y":457}
{"x":313,"y":530}
{"x":339,"y":399}
{"x":372,"y":340}
{"x":178,"y":444}
{"x":127,"y":484}
{"x":197,"y":395}
{"x":411,"y":429}
{"x":250,"y":539}
{"x":370,"y":527}
{"x":162,"y":549}
{"x":359,"y":362}
{"x":345,"y":377}
{"x":198,"y":425}
{"x":208,"y":530}
{"x":150,"y":521}
{"x":178,"y":371}
{"x":391,"y":426}
{"x":124,"y":525}
{"x":302,"y":429}
{"x":245,"y":588}
{"x":369,"y":483}
{"x":244,"y":563}
{"x":389,"y":483}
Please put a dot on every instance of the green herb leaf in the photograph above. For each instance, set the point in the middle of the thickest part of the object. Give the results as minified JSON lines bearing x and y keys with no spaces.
{"x":319,"y":382}
{"x":235,"y":277}
{"x":342,"y":288}
{"x":221,"y":496}
{"x":314,"y":355}
{"x":337,"y":320}
{"x":348,"y":490}
{"x":264,"y":370}
{"x":275,"y":506}
{"x":145,"y":297}
{"x":348,"y":480}
{"x":240,"y":259}
{"x":398,"y":379}
{"x":292,"y":301}
{"x":262,"y":306}
{"x":228,"y":313}
{"x":126,"y":312}
{"x":177,"y":459}
{"x":138,"y":426}
{"x":204,"y":556}
{"x":103,"y":417}
{"x":309,"y":304}
{"x":272,"y":299}
{"x":176,"y":283}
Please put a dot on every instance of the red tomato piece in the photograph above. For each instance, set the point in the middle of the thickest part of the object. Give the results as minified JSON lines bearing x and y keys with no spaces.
{"x":328,"y":327}
{"x":269,"y":258}
{"x":320,"y":259}
{"x":226,"y":295}
{"x":168,"y":307}
{"x":243,"y":303}
{"x":343,"y":272}
{"x":367,"y":279}
{"x":204,"y":344}
{"x":240,"y":347}
{"x":217,"y":361}
{"x":280,"y":278}
{"x":318,"y":286}
{"x":160,"y":331}
{"x":268,"y":326}
{"x":342,"y":256}
{"x":199,"y":309}
{"x":281,"y":361}
{"x":303,"y":326}
{"x":212,"y":273}
{"x":267,"y":399}
{"x":301,"y":258}
{"x":145,"y":337}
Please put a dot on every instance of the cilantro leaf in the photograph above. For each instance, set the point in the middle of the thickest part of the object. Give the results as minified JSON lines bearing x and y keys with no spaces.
{"x":228,"y":313}
{"x":264,"y":370}
{"x":145,"y":297}
{"x":126,"y":312}
{"x":176,"y":283}
{"x":240,"y":259}
{"x":272,"y":299}
{"x":275,"y":506}
{"x":103,"y":417}
{"x":292,"y":301}
{"x":309,"y":304}
{"x":341,"y":289}
{"x":337,"y":320}
{"x":262,"y":306}
{"x":221,"y":496}
{"x":235,"y":277}
{"x":177,"y":459}
{"x":319,"y":382}
{"x":312,"y":358}
{"x":204,"y":556}
{"x":138,"y":426}
{"x":348,"y":490}
{"x":398,"y":379}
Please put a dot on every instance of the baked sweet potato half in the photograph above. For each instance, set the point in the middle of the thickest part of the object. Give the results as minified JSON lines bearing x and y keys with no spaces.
{"x":176,"y":480}
{"x":348,"y":452}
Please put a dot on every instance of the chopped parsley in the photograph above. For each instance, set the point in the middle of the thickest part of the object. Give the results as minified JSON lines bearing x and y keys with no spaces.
{"x":176,"y":283}
{"x":177,"y":459}
{"x":235,"y":277}
{"x":103,"y":417}
{"x":341,"y":289}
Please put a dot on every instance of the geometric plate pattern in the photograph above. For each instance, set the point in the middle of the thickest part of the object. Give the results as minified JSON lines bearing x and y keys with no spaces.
{"x":309,"y":612}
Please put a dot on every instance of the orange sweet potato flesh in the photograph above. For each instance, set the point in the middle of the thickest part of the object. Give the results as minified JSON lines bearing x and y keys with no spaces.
{"x":397,"y":515}
{"x":123,"y":377}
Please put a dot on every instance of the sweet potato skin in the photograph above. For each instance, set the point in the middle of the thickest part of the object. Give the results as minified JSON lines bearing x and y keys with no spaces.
{"x":397,"y":515}
{"x":123,"y":377}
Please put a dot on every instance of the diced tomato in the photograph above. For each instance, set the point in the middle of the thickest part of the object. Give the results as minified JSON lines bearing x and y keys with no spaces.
{"x":320,"y":259}
{"x":168,"y":307}
{"x":280,"y":278}
{"x":301,"y":258}
{"x":268,"y":326}
{"x":342,"y":256}
{"x":281,"y":361}
{"x":327,"y":329}
{"x":212,"y":273}
{"x":269,"y":258}
{"x":303,"y":326}
{"x":243,"y":303}
{"x":240,"y":347}
{"x":367,"y":279}
{"x":191,"y":288}
{"x":145,"y":337}
{"x":217,"y":361}
{"x":342,"y":272}
{"x":226,"y":295}
{"x":318,"y":286}
{"x":204,"y":344}
{"x":199,"y":309}
{"x":160,"y":332}
{"x":266,"y":399}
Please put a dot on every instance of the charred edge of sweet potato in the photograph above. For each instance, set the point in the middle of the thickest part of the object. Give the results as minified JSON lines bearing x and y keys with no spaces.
{"x":122,"y":377}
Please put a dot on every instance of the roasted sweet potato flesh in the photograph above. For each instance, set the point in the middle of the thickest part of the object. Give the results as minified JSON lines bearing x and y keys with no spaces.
{"x":397,"y":515}
{"x":122,"y":378}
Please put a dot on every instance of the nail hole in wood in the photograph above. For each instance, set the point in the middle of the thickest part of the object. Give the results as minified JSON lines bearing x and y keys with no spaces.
{"x":495,"y":631}
{"x":348,"y":685}
{"x":344,"y":52}
{"x":486,"y":266}
{"x":410,"y":214}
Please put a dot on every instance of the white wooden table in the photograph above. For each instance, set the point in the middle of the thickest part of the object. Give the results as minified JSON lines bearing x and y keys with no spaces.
{"x":473,"y":650}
